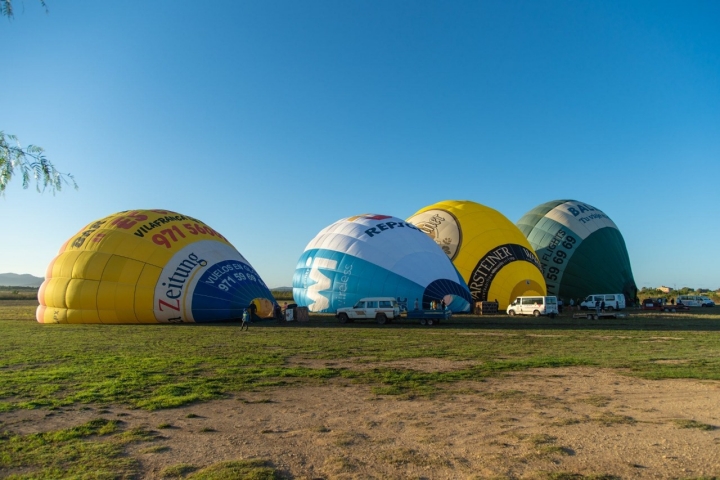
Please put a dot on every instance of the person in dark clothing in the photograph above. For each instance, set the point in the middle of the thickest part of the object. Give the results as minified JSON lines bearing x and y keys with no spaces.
{"x":253,"y":310}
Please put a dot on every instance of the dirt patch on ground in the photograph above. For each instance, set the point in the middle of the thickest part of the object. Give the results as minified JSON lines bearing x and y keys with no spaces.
{"x":524,"y":425}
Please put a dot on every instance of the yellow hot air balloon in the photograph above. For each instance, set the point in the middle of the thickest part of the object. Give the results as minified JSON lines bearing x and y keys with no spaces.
{"x":490,"y":252}
{"x":149,"y":266}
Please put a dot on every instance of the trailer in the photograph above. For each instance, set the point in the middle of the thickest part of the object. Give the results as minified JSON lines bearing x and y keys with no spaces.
{"x":429,"y":317}
{"x":660,"y":305}
{"x":593,"y":315}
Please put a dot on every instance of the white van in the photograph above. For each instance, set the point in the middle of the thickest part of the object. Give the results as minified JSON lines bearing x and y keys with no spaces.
{"x":533,"y":306}
{"x":694,"y":301}
{"x":613,"y":301}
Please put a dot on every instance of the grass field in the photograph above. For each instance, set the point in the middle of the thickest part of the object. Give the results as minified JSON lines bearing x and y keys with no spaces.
{"x":163,"y":366}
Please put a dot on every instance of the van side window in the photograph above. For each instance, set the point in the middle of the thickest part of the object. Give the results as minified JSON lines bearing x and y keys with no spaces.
{"x":527,"y":301}
{"x":385,"y":304}
{"x":359,"y":305}
{"x":372,"y":304}
{"x":610,"y":298}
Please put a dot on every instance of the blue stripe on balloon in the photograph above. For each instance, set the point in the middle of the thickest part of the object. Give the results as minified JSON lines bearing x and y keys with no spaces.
{"x":211,"y":303}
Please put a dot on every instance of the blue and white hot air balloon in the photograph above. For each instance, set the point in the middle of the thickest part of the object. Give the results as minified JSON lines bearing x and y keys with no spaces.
{"x":375,"y":255}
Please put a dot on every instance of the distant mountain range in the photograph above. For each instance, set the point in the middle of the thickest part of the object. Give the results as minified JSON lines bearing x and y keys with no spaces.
{"x":17,"y":280}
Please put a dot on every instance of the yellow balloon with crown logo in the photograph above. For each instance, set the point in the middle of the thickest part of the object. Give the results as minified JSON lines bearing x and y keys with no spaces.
{"x":490,"y":252}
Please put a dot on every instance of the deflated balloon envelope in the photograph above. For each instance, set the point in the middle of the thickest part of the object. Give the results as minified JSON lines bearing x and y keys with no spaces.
{"x":491,"y":254}
{"x":375,"y":255}
{"x":149,"y":266}
{"x":581,"y":250}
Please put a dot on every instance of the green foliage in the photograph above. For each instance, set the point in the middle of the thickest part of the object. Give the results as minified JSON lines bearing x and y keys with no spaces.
{"x":30,"y":162}
{"x":682,"y":423}
{"x":6,"y":8}
{"x":178,"y":471}
{"x":282,"y":295}
{"x":647,"y":292}
{"x":18,"y":293}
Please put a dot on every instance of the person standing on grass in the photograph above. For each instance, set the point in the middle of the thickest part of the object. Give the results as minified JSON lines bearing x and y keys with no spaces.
{"x":572,"y":305}
{"x":253,"y":311}
{"x":245,"y":319}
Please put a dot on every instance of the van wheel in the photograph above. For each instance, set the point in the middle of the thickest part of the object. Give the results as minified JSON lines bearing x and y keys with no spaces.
{"x":423,"y":321}
{"x":430,"y":321}
{"x":610,"y":309}
{"x":589,"y":317}
{"x":536,"y":313}
{"x":511,"y":313}
{"x":343,"y":318}
{"x":381,"y":318}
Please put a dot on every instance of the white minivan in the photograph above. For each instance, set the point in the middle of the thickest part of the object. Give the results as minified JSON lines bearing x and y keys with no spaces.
{"x":694,"y":301}
{"x":613,"y":301}
{"x":533,"y":306}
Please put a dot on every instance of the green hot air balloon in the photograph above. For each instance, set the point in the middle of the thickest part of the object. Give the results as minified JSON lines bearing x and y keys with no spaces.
{"x":581,"y":250}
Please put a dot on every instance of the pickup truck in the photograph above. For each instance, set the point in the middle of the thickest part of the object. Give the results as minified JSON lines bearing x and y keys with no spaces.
{"x":381,"y":309}
{"x":657,"y":304}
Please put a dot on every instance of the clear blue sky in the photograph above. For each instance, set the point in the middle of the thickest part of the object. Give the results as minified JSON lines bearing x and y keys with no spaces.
{"x":269,"y":120}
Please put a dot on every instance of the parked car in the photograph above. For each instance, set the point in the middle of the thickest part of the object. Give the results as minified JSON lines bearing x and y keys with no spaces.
{"x":660,"y":305}
{"x":534,"y":306}
{"x":382,"y":309}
